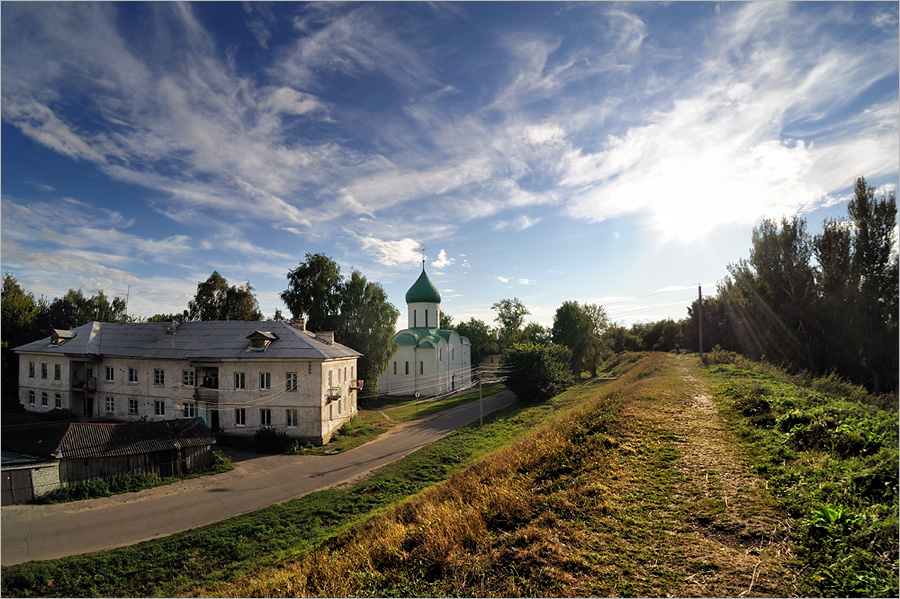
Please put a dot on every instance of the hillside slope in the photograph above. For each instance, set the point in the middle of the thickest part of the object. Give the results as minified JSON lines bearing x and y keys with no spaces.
{"x":640,"y":490}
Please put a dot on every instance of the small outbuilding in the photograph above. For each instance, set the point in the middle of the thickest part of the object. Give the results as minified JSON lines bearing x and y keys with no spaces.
{"x":40,"y":457}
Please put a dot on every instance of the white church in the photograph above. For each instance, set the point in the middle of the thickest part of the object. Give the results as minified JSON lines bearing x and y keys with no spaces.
{"x":428,"y":360}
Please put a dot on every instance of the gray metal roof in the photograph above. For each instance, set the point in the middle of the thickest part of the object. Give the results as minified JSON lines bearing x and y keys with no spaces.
{"x":192,"y":340}
{"x":66,"y":440}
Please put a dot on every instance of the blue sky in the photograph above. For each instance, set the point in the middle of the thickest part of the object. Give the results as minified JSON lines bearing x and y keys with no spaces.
{"x":610,"y":153}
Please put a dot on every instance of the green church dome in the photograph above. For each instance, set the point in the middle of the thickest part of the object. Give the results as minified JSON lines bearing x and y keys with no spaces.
{"x":423,"y":291}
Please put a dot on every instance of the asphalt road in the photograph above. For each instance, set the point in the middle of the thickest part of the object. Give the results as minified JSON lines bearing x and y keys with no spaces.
{"x":40,"y":532}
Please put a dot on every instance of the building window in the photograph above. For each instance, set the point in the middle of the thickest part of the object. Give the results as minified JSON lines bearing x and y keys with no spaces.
{"x":330,"y":373}
{"x":265,"y":417}
{"x":45,"y":399}
{"x":189,"y":409}
{"x":441,"y":355}
{"x":187,"y":378}
{"x":292,"y":418}
{"x":58,"y":401}
{"x":421,"y":367}
{"x":132,"y":376}
{"x":265,"y":380}
{"x":132,"y":406}
{"x":57,"y":372}
{"x":159,"y":376}
{"x":290,"y":381}
{"x":159,"y":409}
{"x":110,"y":374}
{"x":110,"y":405}
{"x":43,"y":370}
{"x":30,"y":398}
{"x":395,"y":367}
{"x":240,"y":417}
{"x":407,"y":368}
{"x":31,"y":370}
{"x":239,"y":382}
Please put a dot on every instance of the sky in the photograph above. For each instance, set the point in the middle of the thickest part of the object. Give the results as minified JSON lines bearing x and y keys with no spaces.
{"x":607,"y":153}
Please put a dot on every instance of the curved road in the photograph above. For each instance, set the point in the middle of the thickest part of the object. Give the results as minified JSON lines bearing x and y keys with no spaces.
{"x":39,"y":532}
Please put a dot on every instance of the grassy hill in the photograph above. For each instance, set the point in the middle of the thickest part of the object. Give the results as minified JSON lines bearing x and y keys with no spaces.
{"x":730,"y":479}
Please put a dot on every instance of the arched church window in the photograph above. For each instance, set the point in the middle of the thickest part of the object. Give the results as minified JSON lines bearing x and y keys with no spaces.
{"x":407,"y":368}
{"x":395,"y":366}
{"x":421,"y":367}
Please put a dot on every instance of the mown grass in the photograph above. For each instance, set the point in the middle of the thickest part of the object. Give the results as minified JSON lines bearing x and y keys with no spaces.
{"x":235,"y":548}
{"x":595,"y":503}
{"x":832,"y":460}
{"x":635,"y":487}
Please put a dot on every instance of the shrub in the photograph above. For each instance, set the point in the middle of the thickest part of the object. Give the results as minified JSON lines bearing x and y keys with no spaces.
{"x":537,"y":371}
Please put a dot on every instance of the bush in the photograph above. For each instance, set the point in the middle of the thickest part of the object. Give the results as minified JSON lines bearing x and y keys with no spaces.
{"x":537,"y":372}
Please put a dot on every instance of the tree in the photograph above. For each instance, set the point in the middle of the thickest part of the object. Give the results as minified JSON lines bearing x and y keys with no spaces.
{"x":314,"y":290}
{"x":511,"y":314}
{"x":356,"y":310}
{"x":536,"y":371}
{"x":482,"y":340}
{"x":534,"y":332}
{"x":875,"y":271}
{"x":217,"y":300}
{"x":580,"y":328}
{"x":366,"y":323}
{"x":774,"y":290}
{"x":446,"y":321}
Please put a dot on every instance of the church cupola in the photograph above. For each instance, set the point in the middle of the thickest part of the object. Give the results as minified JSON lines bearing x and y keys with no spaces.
{"x":423,"y":301}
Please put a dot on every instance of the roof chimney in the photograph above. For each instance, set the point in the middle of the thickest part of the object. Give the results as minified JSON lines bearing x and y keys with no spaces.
{"x":326,"y":336}
{"x":299,"y":323}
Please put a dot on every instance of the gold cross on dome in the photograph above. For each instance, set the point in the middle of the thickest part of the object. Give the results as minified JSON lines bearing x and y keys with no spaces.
{"x":423,"y":249}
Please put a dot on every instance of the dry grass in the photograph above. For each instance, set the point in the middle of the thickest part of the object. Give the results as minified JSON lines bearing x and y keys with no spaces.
{"x":635,"y":492}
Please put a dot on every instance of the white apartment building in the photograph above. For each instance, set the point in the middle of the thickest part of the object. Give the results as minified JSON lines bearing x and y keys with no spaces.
{"x":236,"y":375}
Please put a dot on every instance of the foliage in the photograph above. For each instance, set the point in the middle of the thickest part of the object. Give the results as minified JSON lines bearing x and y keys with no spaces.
{"x":217,"y":300}
{"x":482,"y":339}
{"x":823,"y":303}
{"x":314,"y":289}
{"x":356,"y":310}
{"x":511,"y":315}
{"x":580,"y":328}
{"x":25,"y":319}
{"x":121,"y":483}
{"x":832,"y":462}
{"x":537,"y":372}
{"x":366,"y":323}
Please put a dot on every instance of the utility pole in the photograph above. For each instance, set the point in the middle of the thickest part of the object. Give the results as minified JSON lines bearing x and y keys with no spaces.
{"x":700,"y":314}
{"x":480,"y":398}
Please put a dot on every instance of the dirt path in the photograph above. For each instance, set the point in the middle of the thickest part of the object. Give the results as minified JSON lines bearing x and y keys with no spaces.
{"x":695,"y":487}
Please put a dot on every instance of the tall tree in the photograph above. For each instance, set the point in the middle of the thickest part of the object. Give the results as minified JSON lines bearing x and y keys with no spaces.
{"x":355,"y":309}
{"x":875,"y":264}
{"x":511,"y":315}
{"x":217,"y":300}
{"x":580,"y":327}
{"x":314,"y":289}
{"x":482,"y":340}
{"x":366,"y":323}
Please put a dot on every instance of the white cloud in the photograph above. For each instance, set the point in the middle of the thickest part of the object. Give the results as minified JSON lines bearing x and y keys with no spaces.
{"x":502,"y":279}
{"x":390,"y":253}
{"x":443,"y":261}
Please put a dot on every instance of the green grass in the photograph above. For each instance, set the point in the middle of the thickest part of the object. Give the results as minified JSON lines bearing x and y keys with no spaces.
{"x":832,"y":460}
{"x":174,"y":565}
{"x":129,"y":482}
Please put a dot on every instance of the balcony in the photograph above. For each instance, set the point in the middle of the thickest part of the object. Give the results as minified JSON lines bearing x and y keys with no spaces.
{"x":333,"y":393}
{"x":206,"y":394}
